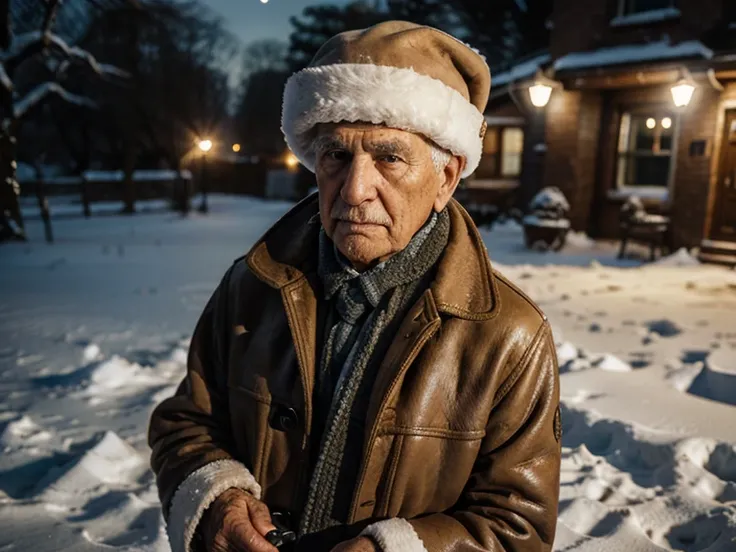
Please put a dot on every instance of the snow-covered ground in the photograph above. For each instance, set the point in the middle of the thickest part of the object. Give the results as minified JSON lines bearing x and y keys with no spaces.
{"x":94,"y":331}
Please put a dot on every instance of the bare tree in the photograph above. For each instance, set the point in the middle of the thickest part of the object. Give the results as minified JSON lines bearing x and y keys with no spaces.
{"x":17,"y":105}
{"x":262,"y":55}
{"x":178,"y":61}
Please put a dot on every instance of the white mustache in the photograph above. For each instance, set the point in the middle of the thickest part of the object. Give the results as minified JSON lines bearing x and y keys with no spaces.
{"x":359,"y":216}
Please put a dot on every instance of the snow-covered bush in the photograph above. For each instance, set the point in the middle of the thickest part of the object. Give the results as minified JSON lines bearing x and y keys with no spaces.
{"x":546,"y":224}
{"x":550,"y":203}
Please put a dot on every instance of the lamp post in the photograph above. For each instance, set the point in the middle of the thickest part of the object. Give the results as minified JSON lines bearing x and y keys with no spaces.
{"x":204,"y":146}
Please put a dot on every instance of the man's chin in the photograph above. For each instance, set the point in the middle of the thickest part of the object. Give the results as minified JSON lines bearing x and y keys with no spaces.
{"x":359,"y":250}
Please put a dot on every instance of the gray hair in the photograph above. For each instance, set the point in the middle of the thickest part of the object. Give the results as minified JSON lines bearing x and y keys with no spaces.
{"x":440,"y":157}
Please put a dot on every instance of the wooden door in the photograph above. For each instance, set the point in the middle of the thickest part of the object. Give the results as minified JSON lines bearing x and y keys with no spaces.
{"x":724,"y":210}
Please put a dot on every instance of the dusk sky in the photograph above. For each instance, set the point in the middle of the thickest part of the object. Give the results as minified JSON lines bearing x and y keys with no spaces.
{"x":253,"y":20}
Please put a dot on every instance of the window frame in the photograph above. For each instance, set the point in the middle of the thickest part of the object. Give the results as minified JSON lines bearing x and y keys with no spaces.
{"x":657,"y":111}
{"x":498,"y":174}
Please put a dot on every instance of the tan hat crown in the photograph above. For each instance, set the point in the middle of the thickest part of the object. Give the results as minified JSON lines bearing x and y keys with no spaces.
{"x":396,"y":73}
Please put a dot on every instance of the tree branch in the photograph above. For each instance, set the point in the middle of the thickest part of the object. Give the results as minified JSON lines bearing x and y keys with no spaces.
{"x":48,"y":19}
{"x":22,"y":107}
{"x":29,"y":44}
{"x":5,"y":81}
{"x":76,"y":53}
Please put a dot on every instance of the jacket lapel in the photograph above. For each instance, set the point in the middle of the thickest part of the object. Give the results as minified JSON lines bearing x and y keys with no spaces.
{"x":300,"y":304}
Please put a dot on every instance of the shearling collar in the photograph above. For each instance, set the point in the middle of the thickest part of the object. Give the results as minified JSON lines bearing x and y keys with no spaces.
{"x":464,"y":285}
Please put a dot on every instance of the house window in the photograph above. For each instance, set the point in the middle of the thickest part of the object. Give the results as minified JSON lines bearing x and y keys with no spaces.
{"x":502,"y":150}
{"x":645,"y":149}
{"x":629,"y":7}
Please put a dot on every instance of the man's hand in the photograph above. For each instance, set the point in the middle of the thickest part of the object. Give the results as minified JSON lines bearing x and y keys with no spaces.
{"x":237,"y":522}
{"x":358,"y":544}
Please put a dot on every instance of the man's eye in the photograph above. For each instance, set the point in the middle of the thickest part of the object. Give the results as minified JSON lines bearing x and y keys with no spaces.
{"x":337,"y":155}
{"x":390,"y":159}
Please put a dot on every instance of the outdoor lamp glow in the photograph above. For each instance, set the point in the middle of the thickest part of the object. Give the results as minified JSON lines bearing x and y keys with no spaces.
{"x":236,"y":148}
{"x":682,"y":93}
{"x":205,"y":145}
{"x":291,"y":160}
{"x":539,"y":94}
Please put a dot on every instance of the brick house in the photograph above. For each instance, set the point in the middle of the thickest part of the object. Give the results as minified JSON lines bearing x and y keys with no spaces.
{"x":611,"y":128}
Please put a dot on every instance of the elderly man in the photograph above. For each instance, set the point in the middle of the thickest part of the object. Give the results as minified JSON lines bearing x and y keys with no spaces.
{"x":363,"y":371}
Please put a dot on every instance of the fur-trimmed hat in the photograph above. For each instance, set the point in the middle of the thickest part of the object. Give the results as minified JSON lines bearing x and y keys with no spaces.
{"x":400,"y":74}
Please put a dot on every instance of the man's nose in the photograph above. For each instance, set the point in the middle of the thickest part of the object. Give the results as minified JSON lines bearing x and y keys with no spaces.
{"x":359,"y":185}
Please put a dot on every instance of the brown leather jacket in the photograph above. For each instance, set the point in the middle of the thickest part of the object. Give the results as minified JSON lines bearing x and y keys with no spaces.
{"x":462,"y":433}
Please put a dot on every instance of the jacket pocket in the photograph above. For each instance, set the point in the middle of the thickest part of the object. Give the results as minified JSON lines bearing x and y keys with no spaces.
{"x":427,"y":470}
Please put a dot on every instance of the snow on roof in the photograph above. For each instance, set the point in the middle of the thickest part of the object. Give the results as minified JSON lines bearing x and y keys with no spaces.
{"x":633,"y":53}
{"x":651,"y":16}
{"x":521,"y":71}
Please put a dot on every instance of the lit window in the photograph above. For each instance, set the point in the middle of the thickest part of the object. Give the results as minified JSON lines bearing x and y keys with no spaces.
{"x":488,"y":166}
{"x":645,"y":149}
{"x":512,"y":146}
{"x":639,"y":6}
{"x":502,"y":151}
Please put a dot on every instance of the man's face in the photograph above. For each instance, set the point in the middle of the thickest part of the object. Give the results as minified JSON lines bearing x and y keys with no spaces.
{"x":377,"y":187}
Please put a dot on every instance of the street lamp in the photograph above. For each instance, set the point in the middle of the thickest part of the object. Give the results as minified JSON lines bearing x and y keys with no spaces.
{"x":541,"y":90}
{"x":540,"y":94}
{"x":236,"y":148}
{"x":291,"y":161}
{"x":204,"y":146}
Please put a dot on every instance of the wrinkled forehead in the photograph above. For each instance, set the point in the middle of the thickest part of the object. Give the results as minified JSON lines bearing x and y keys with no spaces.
{"x":372,"y":137}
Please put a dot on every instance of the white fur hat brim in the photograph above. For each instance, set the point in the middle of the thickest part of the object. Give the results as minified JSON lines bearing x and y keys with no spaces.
{"x":396,"y":97}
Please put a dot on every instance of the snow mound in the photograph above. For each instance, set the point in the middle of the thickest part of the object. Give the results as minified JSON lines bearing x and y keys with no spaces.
{"x":720,"y":376}
{"x":125,"y":520}
{"x":23,"y":432}
{"x":579,"y":240}
{"x":611,"y":363}
{"x":91,"y":352}
{"x":566,"y":352}
{"x":625,"y":487}
{"x":118,"y":376}
{"x":681,"y":257}
{"x":108,"y":461}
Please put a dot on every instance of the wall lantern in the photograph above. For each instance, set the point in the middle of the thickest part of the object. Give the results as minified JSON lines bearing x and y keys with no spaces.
{"x":682,"y":93}
{"x":541,"y":91}
{"x":682,"y":90}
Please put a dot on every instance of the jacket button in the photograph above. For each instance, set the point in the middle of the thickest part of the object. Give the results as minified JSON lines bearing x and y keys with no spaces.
{"x":284,"y":418}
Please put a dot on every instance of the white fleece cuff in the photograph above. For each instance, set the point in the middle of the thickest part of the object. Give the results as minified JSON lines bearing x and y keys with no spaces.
{"x":197,"y":492}
{"x":395,"y":535}
{"x":395,"y":96}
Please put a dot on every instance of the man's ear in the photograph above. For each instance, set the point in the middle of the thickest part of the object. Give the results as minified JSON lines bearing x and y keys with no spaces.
{"x":449,"y":179}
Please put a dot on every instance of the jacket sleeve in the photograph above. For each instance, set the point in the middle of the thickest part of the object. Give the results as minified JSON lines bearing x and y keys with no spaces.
{"x":190,"y":433}
{"x":510,"y":501}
